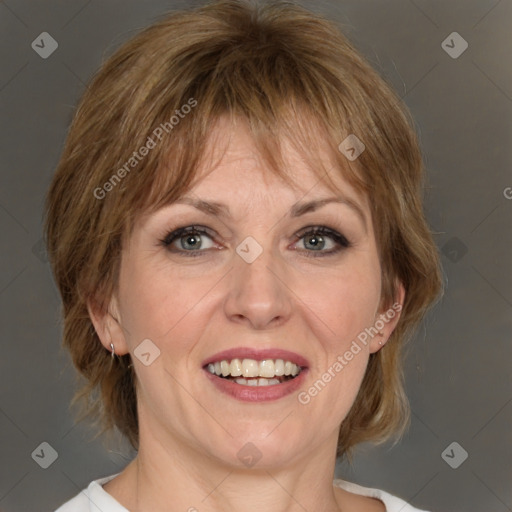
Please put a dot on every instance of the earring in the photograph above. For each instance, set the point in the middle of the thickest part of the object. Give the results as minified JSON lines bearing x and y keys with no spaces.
{"x":114,"y":353}
{"x":380,"y":334}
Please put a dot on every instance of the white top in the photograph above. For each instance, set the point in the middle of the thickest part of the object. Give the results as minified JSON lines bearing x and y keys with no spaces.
{"x":96,"y":499}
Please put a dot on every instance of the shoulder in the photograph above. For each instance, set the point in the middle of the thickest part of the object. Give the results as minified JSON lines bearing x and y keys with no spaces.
{"x":91,"y":498}
{"x":392,"y":503}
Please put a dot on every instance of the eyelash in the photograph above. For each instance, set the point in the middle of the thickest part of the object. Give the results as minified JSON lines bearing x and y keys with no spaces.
{"x":341,"y":241}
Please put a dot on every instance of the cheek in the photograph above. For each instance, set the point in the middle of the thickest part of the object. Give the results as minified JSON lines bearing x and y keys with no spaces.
{"x":158,"y":303}
{"x":144,"y":298}
{"x":345,"y":302}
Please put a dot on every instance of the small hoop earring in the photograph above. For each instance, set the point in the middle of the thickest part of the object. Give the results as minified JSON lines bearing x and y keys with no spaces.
{"x":114,"y":353}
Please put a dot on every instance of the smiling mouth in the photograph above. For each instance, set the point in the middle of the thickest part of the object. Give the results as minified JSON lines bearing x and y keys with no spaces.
{"x":251,"y":372}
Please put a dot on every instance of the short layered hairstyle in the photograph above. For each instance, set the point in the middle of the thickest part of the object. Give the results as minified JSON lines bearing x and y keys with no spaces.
{"x":292,"y":76}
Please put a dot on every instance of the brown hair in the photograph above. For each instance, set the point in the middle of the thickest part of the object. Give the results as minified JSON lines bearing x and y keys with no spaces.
{"x":288,"y":73}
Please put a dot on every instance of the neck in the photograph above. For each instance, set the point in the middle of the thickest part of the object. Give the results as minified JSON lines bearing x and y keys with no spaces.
{"x":176,"y":476}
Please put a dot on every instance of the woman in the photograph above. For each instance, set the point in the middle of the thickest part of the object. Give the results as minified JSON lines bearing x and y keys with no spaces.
{"x":237,"y":233}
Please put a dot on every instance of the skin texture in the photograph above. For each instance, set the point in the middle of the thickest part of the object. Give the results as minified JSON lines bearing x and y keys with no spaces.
{"x":193,"y":307}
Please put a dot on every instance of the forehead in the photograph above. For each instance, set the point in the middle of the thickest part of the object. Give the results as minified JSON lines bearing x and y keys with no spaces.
{"x":234,"y":168}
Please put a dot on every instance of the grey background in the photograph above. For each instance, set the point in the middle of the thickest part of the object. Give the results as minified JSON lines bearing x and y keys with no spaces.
{"x":458,"y":368}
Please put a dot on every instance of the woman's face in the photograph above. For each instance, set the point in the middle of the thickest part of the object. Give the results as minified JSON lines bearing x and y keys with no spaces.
{"x":254,"y":280}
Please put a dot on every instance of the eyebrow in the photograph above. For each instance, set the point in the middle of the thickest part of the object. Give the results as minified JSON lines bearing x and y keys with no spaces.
{"x":298,"y":209}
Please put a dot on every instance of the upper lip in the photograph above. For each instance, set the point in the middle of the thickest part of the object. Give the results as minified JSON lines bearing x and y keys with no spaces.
{"x":258,"y":354}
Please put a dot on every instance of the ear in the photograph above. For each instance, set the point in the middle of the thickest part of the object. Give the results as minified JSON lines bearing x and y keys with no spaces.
{"x":386,"y":320}
{"x":107,"y":324}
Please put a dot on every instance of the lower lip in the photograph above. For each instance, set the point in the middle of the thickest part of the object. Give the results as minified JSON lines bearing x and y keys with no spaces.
{"x":257,"y":393}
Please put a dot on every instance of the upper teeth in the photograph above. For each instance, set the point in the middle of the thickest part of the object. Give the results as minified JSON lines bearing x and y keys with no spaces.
{"x":251,"y":368}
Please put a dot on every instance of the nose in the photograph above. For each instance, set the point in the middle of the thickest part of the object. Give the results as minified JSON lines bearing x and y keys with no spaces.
{"x":258,"y":294}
